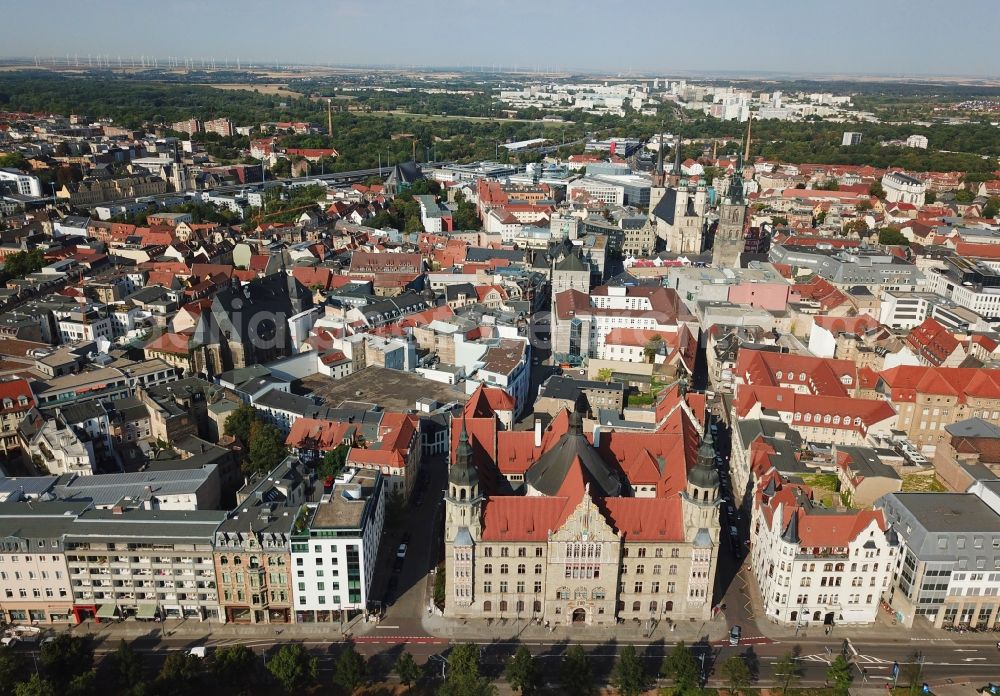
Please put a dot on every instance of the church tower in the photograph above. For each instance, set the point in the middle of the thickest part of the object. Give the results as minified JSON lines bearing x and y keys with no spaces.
{"x":729,"y":240}
{"x":700,"y":502}
{"x":462,"y":527}
{"x":463,"y":501}
{"x":659,"y":184}
{"x":701,"y":496}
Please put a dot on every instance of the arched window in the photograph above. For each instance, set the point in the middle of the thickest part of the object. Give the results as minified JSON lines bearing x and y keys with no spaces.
{"x":487,"y":605}
{"x":504,"y":568}
{"x":636,"y":605}
{"x":521,"y":569}
{"x":461,"y":495}
{"x":669,"y":606}
{"x":652,"y":606}
{"x":598,"y":593}
{"x":672,"y":570}
{"x":503,"y":605}
{"x":538,"y":569}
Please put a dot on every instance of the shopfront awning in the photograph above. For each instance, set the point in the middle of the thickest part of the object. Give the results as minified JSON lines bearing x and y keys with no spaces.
{"x":107,"y":611}
{"x":146,"y":611}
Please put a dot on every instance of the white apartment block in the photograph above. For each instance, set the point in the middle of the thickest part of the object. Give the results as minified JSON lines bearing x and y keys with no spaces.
{"x":335,"y":550}
{"x":27,"y":185}
{"x":815,"y":565}
{"x":603,"y":191}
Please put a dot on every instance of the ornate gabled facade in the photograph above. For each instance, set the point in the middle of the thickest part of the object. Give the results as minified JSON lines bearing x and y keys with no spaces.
{"x":561,"y":526}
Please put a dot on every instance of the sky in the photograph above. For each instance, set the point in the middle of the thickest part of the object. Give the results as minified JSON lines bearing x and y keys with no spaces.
{"x":668,"y":37}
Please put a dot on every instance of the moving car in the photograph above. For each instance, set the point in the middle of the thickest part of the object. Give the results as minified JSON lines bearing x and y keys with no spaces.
{"x":401,"y":551}
{"x":734,"y":635}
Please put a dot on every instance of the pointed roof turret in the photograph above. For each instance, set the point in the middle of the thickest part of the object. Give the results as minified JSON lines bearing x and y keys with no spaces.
{"x":791,"y":534}
{"x":704,"y":474}
{"x":659,"y":161}
{"x":463,"y":471}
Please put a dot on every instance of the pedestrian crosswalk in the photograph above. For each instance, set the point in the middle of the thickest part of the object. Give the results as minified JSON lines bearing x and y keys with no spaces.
{"x":858,"y":659}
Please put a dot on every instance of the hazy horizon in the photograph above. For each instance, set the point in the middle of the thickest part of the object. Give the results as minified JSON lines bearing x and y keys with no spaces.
{"x":887,"y":38}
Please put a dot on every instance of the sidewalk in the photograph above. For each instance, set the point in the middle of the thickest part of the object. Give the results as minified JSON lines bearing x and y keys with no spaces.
{"x":883,"y":630}
{"x":457,"y":630}
{"x":206,"y":630}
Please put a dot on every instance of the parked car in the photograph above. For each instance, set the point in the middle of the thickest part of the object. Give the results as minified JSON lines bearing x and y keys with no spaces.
{"x":198,"y":651}
{"x":401,"y":551}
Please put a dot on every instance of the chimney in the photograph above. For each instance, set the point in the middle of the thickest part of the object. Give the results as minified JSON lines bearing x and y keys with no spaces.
{"x":538,"y":431}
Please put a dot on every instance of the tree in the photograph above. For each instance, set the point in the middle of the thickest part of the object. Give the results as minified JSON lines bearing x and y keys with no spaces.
{"x":787,"y":672}
{"x":891,"y":236}
{"x":66,"y":657}
{"x":36,"y":686}
{"x":962,"y":196}
{"x":333,"y":461}
{"x":235,"y":668}
{"x":21,"y":263}
{"x":652,"y":347}
{"x":522,"y":672}
{"x":737,"y":673}
{"x":180,"y":672}
{"x":293,"y":667}
{"x":267,"y":448}
{"x":629,"y":676}
{"x":14,"y":160}
{"x":839,"y":674}
{"x":876,"y":190}
{"x":575,"y":673}
{"x":992,"y":207}
{"x":463,"y":677}
{"x":240,"y":421}
{"x":930,"y":198}
{"x":83,"y":684}
{"x":855,"y":227}
{"x":12,"y":670}
{"x":407,"y":669}
{"x":680,"y":666}
{"x":349,"y":672}
{"x":913,"y":672}
{"x":126,"y":667}
{"x":605,"y":374}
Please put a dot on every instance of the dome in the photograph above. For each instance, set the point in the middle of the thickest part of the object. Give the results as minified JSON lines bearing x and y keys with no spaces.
{"x":703,"y":474}
{"x":463,"y":472}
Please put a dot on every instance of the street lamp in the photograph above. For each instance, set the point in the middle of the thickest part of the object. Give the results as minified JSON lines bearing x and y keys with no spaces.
{"x":444,"y":665}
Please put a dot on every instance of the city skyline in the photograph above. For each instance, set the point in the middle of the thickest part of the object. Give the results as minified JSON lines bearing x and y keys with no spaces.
{"x":775,"y":37}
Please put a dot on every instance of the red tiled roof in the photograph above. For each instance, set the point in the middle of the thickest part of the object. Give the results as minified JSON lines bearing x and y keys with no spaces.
{"x":315,"y":434}
{"x":825,"y":376}
{"x":852,"y":325}
{"x":14,"y":390}
{"x":523,"y":518}
{"x":827,"y":530}
{"x":904,"y":382}
{"x":932,"y":342}
{"x":845,"y":410}
{"x":647,"y":519}
{"x":176,"y":344}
